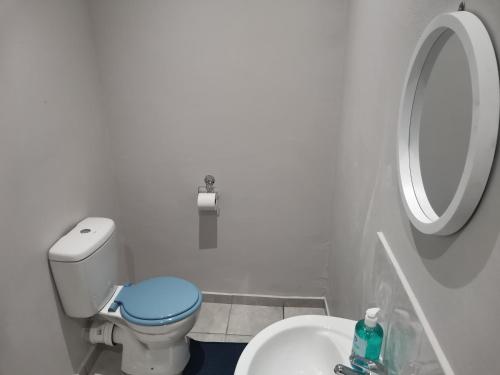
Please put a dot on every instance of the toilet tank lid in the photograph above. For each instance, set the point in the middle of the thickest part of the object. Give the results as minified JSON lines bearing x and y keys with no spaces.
{"x":83,"y":240}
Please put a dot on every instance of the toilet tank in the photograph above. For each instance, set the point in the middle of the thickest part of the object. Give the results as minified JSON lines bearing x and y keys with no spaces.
{"x":84,"y":265}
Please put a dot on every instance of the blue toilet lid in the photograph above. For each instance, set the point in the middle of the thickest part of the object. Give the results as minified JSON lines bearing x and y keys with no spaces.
{"x":158,"y":301}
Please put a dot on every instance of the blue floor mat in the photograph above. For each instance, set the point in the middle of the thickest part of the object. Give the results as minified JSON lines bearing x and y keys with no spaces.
{"x":213,"y":358}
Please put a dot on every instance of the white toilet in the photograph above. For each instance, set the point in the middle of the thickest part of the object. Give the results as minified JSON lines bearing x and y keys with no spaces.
{"x":150,"y":319}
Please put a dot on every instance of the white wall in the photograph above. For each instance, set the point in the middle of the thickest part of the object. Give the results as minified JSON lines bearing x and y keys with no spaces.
{"x":251,"y":92}
{"x":456,"y":278}
{"x":53,"y":168}
{"x":246,"y":90}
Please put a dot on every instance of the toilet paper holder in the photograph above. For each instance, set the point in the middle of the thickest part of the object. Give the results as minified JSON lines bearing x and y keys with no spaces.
{"x":209,"y":183}
{"x":209,"y":188}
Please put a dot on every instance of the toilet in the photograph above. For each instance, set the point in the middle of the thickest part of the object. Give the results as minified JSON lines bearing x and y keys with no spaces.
{"x":150,"y":319}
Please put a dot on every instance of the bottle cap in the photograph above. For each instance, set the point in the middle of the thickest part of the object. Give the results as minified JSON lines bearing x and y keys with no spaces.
{"x":371,"y":317}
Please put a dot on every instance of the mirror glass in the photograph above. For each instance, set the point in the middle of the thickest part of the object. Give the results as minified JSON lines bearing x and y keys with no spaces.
{"x":445,"y":122}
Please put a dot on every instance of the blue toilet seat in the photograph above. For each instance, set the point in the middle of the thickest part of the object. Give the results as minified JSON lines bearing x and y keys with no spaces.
{"x":157,"y":301}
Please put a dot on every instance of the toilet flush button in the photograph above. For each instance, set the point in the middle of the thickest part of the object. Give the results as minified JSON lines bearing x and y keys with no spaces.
{"x":85,"y":231}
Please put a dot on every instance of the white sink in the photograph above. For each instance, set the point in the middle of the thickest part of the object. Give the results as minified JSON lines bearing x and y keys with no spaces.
{"x":302,"y":345}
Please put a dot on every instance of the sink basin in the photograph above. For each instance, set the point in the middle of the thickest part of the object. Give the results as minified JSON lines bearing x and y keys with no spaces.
{"x":302,"y":345}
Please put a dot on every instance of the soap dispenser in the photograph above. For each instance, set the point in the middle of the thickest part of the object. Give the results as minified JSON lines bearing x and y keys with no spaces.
{"x":368,"y":336}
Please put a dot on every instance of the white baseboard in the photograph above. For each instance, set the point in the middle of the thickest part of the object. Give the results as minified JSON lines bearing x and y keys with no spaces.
{"x":265,"y":299}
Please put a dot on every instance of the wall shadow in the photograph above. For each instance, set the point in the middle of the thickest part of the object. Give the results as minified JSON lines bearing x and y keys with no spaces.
{"x":429,"y":246}
{"x":126,"y":259}
{"x":207,"y":230}
{"x":455,"y":260}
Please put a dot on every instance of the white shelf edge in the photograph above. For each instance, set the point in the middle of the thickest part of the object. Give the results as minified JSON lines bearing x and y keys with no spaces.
{"x":443,"y":361}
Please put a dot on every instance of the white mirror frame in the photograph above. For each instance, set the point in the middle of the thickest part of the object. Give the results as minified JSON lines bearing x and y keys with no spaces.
{"x":484,"y":128}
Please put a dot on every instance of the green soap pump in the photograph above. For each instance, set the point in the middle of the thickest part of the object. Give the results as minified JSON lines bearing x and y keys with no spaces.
{"x":368,"y":336}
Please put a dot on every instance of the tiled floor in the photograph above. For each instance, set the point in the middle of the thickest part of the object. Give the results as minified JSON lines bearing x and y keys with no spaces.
{"x":222,"y":322}
{"x":219,"y":322}
{"x":249,"y":320}
{"x":296,"y":311}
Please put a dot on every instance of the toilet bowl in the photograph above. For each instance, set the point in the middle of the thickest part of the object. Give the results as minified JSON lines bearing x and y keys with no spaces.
{"x":150,"y":319}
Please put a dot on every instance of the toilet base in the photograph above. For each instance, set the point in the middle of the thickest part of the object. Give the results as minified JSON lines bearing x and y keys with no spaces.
{"x":140,"y":359}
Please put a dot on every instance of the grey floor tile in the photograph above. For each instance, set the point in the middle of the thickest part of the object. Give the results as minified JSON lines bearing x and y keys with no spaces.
{"x":213,"y":318}
{"x":108,"y":363}
{"x":247,"y":320}
{"x":296,"y":311}
{"x":207,"y":337}
{"x":238,"y":338}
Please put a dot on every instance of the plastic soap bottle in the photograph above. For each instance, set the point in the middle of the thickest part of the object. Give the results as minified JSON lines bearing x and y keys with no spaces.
{"x":368,"y":336}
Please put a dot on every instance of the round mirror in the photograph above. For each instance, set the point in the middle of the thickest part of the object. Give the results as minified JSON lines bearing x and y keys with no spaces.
{"x":445,"y":124}
{"x":448,"y":123}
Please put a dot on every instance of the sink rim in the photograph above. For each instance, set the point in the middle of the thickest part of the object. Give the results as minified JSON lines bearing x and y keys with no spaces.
{"x":344,"y":328}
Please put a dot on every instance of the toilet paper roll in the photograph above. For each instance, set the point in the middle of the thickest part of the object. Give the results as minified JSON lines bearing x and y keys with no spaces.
{"x":207,"y":202}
